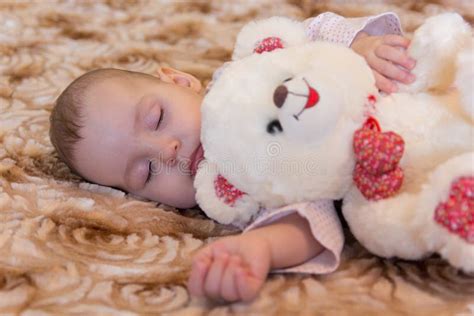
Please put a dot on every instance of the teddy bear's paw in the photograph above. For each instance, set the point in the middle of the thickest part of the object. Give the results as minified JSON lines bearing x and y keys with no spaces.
{"x":219,"y":199}
{"x":435,"y":46}
{"x":444,"y":211}
{"x":456,"y":213}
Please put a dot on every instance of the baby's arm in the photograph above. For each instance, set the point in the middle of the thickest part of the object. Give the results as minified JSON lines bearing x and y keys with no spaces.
{"x":235,"y":268}
{"x":378,"y":39}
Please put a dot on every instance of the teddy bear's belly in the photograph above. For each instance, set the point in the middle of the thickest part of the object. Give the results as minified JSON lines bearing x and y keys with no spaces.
{"x":433,"y":130}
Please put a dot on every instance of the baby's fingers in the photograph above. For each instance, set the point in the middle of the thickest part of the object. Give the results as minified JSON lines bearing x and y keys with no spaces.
{"x":389,"y":70}
{"x":396,"y":40}
{"x":212,"y":284}
{"x":198,"y":275}
{"x":395,"y":55}
{"x":247,"y":285}
{"x":228,"y":285}
{"x":384,"y":84}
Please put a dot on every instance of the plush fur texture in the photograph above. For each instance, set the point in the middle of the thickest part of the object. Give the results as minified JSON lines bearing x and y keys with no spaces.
{"x":292,"y":32}
{"x":281,"y":168}
{"x":442,"y":45}
{"x":433,"y":125}
{"x":465,"y":78}
{"x":70,"y":247}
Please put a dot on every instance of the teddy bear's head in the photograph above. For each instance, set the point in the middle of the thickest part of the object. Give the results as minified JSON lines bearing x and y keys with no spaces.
{"x":277,"y":123}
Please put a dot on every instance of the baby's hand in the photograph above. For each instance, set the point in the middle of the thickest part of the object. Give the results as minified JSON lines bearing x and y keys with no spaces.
{"x":232,"y":269}
{"x":388,"y":58}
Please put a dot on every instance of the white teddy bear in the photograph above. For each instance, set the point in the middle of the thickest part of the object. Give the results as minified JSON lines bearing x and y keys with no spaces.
{"x":289,"y":120}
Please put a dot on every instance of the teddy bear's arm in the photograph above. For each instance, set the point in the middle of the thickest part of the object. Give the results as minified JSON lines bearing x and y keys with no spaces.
{"x":220,"y":200}
{"x":435,"y":47}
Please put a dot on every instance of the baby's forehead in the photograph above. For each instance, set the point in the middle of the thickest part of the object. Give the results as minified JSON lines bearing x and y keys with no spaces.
{"x":110,"y":86}
{"x":116,"y":93}
{"x":109,"y":108}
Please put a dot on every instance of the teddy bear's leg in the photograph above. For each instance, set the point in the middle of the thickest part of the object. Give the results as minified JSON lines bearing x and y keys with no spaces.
{"x":408,"y":225}
{"x":465,"y":79}
{"x":445,"y":212}
{"x":385,"y":227}
{"x":435,"y":46}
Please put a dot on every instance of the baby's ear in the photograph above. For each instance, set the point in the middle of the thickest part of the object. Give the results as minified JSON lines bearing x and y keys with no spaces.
{"x":174,"y":76}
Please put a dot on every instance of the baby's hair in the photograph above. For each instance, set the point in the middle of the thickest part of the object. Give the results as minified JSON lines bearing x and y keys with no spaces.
{"x":66,"y":120}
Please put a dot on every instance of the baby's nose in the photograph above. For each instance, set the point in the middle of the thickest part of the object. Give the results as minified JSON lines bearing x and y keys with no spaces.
{"x":279,"y":96}
{"x":169,"y":152}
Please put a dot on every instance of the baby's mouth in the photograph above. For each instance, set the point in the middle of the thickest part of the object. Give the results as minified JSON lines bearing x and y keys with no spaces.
{"x":196,"y":157}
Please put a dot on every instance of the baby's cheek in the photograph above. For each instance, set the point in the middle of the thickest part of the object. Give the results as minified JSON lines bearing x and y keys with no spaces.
{"x":174,"y":188}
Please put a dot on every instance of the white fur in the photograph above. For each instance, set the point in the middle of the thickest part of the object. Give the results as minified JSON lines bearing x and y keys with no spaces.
{"x":432,"y":134}
{"x":276,"y":180}
{"x":436,"y":189}
{"x":434,"y":47}
{"x":313,"y":157}
{"x":465,"y":78}
{"x":238,"y":215}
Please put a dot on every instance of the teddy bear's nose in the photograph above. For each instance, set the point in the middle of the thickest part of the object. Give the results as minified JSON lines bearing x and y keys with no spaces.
{"x":279,"y":96}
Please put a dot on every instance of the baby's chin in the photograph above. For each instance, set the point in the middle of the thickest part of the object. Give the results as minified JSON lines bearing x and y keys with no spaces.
{"x":175,"y":189}
{"x":186,"y":204}
{"x":185,"y":199}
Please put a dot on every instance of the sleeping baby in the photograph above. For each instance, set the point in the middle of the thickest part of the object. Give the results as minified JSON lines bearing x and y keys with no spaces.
{"x":141,"y":133}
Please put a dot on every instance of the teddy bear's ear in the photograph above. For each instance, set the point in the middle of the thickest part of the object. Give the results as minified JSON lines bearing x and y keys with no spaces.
{"x":267,"y":35}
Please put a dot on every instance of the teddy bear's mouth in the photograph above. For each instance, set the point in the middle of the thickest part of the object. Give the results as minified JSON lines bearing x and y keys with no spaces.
{"x":312,"y":99}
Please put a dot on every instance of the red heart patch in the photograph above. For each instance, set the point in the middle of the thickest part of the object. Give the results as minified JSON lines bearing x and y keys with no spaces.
{"x":226,"y":191}
{"x":457,"y":212}
{"x":377,"y":187}
{"x":268,"y":44}
{"x":378,"y":152}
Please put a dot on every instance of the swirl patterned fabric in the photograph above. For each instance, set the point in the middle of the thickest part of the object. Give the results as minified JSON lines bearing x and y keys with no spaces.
{"x":71,"y":247}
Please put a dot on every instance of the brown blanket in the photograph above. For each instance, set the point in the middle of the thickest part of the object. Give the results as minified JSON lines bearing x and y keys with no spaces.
{"x":71,"y":247}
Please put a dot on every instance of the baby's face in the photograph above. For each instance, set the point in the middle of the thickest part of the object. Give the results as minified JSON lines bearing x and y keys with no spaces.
{"x":142,"y":135}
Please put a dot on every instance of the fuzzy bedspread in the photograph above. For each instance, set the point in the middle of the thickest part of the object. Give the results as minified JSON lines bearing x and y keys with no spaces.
{"x":72,"y":247}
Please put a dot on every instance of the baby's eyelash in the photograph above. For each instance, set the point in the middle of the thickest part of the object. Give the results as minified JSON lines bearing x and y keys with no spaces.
{"x":160,"y":119}
{"x":150,"y":173}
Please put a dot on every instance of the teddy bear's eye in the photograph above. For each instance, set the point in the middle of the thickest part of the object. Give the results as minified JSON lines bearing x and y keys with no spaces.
{"x":274,"y":127}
